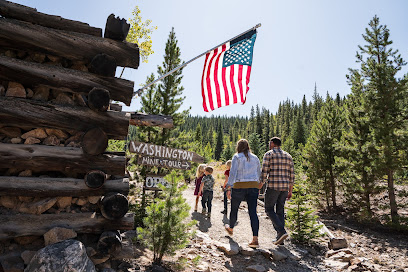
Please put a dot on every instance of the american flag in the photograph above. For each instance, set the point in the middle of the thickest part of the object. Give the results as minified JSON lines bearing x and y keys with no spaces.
{"x":226,"y":72}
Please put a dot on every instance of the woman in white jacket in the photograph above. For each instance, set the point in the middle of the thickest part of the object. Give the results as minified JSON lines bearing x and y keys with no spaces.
{"x":243,"y":184}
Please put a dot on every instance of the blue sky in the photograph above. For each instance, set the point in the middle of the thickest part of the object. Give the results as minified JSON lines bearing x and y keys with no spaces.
{"x":299,"y":44}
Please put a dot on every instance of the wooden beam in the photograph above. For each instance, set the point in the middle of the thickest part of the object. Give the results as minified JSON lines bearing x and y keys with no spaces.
{"x":55,"y":158}
{"x":73,"y":46}
{"x":53,"y":187}
{"x":31,"y":74}
{"x":25,"y":113}
{"x":16,"y":225}
{"x":148,"y":120}
{"x":23,"y":13}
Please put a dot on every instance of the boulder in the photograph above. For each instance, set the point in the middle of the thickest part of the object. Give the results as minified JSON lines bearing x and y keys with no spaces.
{"x":38,"y":133}
{"x":41,"y":93}
{"x":229,"y":249}
{"x":69,"y":255}
{"x":11,"y":132}
{"x":31,"y":140}
{"x":64,"y":201}
{"x":51,"y":140}
{"x":57,"y":132}
{"x":56,"y":235}
{"x":16,"y":90}
{"x":277,"y":255}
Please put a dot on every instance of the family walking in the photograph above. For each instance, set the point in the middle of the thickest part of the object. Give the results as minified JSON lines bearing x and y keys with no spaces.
{"x":243,"y":179}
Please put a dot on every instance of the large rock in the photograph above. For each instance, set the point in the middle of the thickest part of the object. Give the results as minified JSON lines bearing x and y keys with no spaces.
{"x":64,"y":202}
{"x":229,"y":249}
{"x":38,"y":206}
{"x":57,"y":132}
{"x":16,"y":90}
{"x":69,"y":255}
{"x":38,"y":133}
{"x":11,"y":132}
{"x":56,"y":235}
{"x":41,"y":93}
{"x":277,"y":255}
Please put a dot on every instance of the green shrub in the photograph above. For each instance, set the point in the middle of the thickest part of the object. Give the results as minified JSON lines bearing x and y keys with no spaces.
{"x":165,"y":225}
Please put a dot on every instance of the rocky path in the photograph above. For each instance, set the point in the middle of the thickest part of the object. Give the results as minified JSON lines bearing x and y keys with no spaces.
{"x":219,"y":252}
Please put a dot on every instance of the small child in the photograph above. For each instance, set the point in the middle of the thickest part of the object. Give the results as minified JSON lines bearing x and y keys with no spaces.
{"x":199,"y":177}
{"x":207,"y":185}
{"x":224,"y":187}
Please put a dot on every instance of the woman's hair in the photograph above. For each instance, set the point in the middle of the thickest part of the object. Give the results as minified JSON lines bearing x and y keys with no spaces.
{"x":243,"y":147}
{"x":200,"y":170}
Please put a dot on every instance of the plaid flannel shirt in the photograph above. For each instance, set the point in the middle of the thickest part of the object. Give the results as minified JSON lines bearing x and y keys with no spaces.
{"x":278,"y":169}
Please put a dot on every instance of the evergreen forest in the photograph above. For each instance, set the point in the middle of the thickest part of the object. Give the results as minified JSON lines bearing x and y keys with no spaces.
{"x":347,"y":150}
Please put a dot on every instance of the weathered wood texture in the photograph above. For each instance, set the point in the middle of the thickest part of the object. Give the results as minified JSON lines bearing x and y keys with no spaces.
{"x":160,"y":162}
{"x":20,"y":12}
{"x":53,"y":187}
{"x":114,"y":206}
{"x":55,"y":158}
{"x":25,"y":113}
{"x":31,"y":74}
{"x":12,"y":226}
{"x":146,"y":120}
{"x":164,"y":152}
{"x":94,"y":141}
{"x":73,"y":46}
{"x":95,"y":179}
{"x":116,"y":28}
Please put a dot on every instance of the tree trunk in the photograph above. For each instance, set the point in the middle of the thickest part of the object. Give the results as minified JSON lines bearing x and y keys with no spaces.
{"x":95,"y":179}
{"x":94,"y":141}
{"x":70,"y":45}
{"x":55,"y":158}
{"x":54,"y":187}
{"x":114,"y":206}
{"x":16,"y":225}
{"x":333,"y":189}
{"x":23,"y":13}
{"x":141,"y":119}
{"x":391,"y":195}
{"x":28,"y":114}
{"x":31,"y":74}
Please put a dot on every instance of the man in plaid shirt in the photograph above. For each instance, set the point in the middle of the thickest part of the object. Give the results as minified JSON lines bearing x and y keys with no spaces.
{"x":278,"y":172}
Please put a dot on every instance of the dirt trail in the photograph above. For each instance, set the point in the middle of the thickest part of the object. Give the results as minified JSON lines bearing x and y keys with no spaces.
{"x":214,"y":227}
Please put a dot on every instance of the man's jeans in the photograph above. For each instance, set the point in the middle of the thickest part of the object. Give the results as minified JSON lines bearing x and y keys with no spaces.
{"x":207,"y":199}
{"x":251,"y":197}
{"x":274,"y":207}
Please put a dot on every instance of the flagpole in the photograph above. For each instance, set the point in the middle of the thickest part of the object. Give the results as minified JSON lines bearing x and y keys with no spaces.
{"x":193,"y":59}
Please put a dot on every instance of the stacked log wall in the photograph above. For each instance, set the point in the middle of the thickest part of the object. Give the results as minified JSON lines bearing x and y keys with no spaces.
{"x":50,"y":138}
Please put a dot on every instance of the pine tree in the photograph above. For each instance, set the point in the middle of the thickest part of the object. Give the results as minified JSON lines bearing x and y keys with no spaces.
{"x":255,"y":144}
{"x":301,"y":219}
{"x":321,"y":151}
{"x":385,"y":93}
{"x":166,"y":229}
{"x":358,"y":150}
{"x":169,"y":90}
{"x":149,"y":102}
{"x":219,"y":143}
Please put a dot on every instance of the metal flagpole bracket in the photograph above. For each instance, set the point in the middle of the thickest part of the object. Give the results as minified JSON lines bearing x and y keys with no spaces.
{"x":139,"y":91}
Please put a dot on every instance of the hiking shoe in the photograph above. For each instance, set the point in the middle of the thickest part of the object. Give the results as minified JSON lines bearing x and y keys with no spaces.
{"x":280,"y":238}
{"x":204,"y":211}
{"x":254,"y":244}
{"x":224,"y":212}
{"x":209,"y":215}
{"x":229,"y":230}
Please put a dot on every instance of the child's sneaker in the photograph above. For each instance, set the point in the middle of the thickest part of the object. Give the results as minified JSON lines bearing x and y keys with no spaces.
{"x":204,"y":211}
{"x":209,"y":215}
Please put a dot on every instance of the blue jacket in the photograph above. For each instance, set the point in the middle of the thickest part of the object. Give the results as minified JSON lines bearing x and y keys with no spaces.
{"x":244,"y":170}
